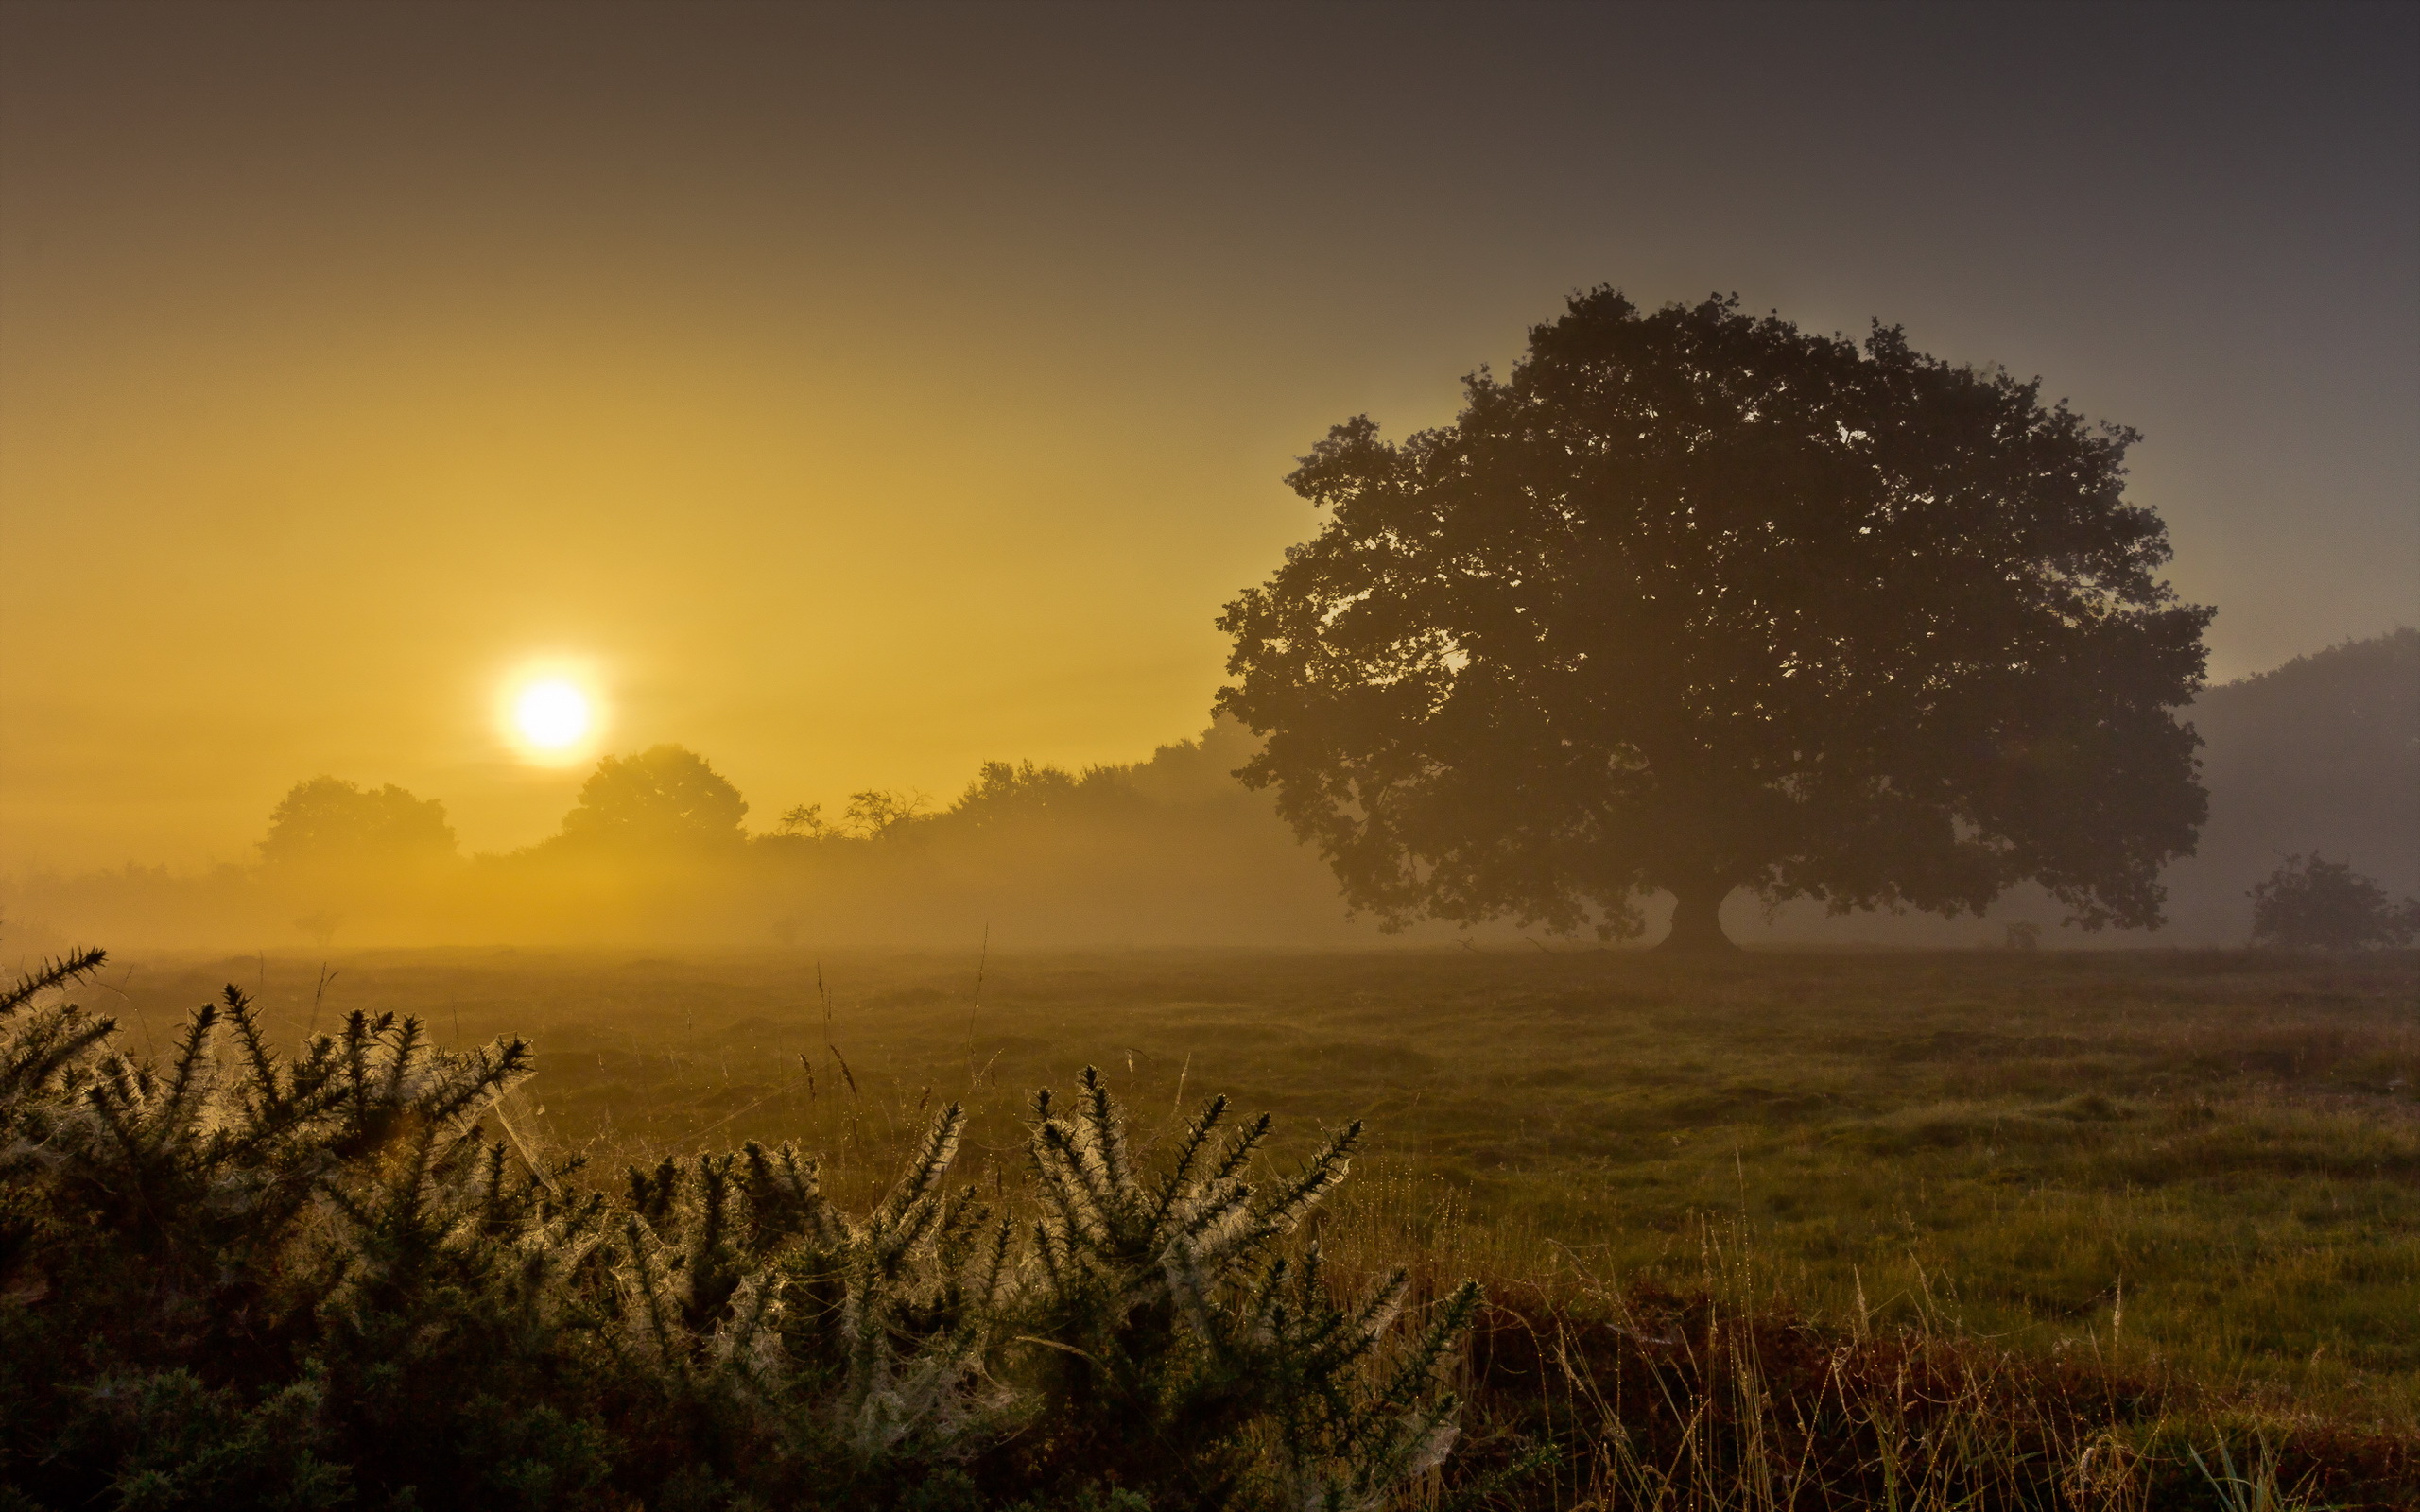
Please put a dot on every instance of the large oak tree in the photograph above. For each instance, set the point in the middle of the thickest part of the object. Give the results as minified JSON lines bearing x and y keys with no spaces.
{"x":1698,"y":601}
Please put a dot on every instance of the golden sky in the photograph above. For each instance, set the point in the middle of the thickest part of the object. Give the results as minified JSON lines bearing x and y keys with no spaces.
{"x":863,"y":394}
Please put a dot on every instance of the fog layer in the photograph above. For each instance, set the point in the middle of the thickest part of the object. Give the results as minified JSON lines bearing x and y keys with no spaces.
{"x":2321,"y":754}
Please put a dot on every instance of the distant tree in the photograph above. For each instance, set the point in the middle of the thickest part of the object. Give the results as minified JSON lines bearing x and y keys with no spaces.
{"x":666,"y":798}
{"x":1202,"y":770}
{"x":1000,"y":786}
{"x":1698,"y":601}
{"x":327,"y":821}
{"x":1015,"y":792}
{"x":804,"y":822}
{"x":878,"y":813}
{"x":2310,"y":903}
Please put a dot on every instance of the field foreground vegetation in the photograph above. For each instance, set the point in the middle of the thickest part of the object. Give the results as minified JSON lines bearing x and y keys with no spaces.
{"x":1813,"y":1230}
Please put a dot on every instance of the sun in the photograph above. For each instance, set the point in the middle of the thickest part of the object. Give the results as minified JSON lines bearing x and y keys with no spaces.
{"x":552,"y":711}
{"x":552,"y":715}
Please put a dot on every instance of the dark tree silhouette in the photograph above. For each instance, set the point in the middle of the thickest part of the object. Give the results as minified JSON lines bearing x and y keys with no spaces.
{"x":1698,"y":601}
{"x":328,"y":821}
{"x":879,"y":813}
{"x":2310,"y":903}
{"x":665,"y":797}
{"x":1009,"y":794}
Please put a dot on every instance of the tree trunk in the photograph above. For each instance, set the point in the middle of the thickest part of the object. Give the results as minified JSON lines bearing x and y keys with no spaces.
{"x":1697,"y":920}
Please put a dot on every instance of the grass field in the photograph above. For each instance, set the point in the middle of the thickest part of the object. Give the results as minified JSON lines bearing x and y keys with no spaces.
{"x":2201,"y":1173}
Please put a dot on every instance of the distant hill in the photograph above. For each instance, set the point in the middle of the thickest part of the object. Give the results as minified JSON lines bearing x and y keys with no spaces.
{"x":2320,"y":754}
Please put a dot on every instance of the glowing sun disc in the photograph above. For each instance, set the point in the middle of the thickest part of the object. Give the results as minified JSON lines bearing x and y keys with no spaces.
{"x":551,"y":715}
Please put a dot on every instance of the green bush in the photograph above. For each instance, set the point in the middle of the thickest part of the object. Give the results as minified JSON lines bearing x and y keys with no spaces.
{"x":2309,"y":903}
{"x":239,"y":1282}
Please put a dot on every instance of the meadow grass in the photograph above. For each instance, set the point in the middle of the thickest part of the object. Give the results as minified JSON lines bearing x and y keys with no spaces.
{"x":2058,"y":1193}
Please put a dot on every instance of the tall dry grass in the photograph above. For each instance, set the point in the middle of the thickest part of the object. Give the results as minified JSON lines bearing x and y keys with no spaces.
{"x":1721,"y":1395}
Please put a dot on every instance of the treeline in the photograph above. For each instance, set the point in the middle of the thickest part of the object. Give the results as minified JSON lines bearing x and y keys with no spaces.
{"x":2320,"y":756}
{"x":658,"y":846}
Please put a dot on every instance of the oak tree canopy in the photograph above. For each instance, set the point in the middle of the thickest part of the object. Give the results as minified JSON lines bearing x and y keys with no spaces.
{"x":1697,"y":601}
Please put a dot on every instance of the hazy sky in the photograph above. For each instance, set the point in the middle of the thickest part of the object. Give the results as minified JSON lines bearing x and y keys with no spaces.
{"x":861,"y":394}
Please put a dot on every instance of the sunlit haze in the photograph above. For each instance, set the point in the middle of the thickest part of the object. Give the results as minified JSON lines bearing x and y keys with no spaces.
{"x":975,"y":756}
{"x":875,"y":392}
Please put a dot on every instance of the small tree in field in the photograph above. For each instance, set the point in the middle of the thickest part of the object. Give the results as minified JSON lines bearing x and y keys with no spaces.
{"x":2310,"y":903}
{"x":1698,"y":601}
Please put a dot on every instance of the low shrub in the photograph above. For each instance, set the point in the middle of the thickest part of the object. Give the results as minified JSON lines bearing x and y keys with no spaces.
{"x":238,"y":1280}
